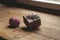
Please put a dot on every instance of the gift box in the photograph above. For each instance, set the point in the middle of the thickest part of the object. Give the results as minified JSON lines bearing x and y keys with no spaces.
{"x":33,"y":22}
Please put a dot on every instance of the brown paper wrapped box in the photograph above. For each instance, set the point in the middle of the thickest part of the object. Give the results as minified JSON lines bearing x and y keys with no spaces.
{"x":32,"y":23}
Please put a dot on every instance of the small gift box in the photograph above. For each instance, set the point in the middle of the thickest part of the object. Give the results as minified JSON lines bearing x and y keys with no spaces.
{"x":32,"y":21}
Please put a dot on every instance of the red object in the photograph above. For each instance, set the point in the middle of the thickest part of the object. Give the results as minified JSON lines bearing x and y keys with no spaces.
{"x":14,"y":22}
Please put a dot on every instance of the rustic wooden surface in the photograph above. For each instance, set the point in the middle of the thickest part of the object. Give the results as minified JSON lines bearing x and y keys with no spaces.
{"x":49,"y":30}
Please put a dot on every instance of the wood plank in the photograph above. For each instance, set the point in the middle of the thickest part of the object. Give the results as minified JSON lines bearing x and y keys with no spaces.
{"x":49,"y":30}
{"x":34,"y":37}
{"x":12,"y":33}
{"x":20,"y":12}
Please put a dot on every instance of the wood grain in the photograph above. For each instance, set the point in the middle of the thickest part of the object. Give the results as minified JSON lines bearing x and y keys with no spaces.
{"x":49,"y":30}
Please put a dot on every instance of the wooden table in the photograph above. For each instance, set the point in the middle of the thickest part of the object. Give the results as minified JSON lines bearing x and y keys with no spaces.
{"x":49,"y":29}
